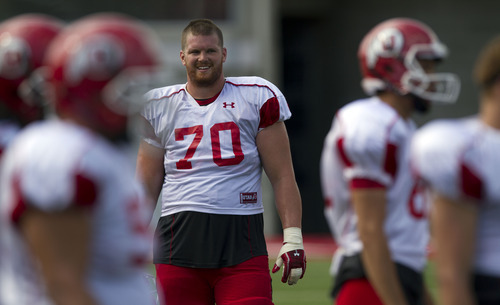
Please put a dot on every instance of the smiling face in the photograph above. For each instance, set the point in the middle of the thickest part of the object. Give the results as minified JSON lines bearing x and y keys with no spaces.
{"x":203,"y":57}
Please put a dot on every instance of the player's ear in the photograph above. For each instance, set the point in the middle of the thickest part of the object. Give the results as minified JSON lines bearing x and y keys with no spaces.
{"x":183,"y":57}
{"x":224,"y":54}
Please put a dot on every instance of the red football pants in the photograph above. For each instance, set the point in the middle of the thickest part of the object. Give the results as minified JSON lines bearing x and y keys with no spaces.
{"x":357,"y":292}
{"x":248,"y":283}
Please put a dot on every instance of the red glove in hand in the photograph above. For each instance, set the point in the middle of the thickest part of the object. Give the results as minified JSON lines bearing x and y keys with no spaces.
{"x":292,"y":256}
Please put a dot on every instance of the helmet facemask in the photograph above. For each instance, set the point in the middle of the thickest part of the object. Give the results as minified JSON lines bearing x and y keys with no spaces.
{"x":434,"y":87}
{"x":124,"y":94}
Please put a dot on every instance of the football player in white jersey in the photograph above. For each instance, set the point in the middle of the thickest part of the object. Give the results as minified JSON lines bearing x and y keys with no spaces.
{"x":205,"y":146}
{"x":23,"y":42}
{"x":374,"y":205}
{"x":459,"y":161}
{"x":75,"y":221}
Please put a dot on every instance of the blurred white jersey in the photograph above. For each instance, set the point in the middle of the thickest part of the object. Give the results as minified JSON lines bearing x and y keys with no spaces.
{"x":368,"y":144}
{"x":212,"y":164}
{"x":460,"y":158}
{"x":51,"y":165}
{"x":8,"y":130}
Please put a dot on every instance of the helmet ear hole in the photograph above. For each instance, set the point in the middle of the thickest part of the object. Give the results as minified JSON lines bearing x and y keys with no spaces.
{"x":388,"y":69}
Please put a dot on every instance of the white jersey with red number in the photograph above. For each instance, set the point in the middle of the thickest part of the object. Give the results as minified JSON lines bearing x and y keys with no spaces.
{"x":369,"y":144}
{"x":52,"y":165}
{"x":460,"y":158}
{"x":212,"y":164}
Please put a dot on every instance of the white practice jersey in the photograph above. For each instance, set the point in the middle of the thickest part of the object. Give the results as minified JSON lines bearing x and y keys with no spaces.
{"x":51,"y":165}
{"x":369,"y":143}
{"x":460,"y":159}
{"x":212,"y":164}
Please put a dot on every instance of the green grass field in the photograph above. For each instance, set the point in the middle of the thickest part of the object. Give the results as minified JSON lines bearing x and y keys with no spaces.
{"x":314,"y":288}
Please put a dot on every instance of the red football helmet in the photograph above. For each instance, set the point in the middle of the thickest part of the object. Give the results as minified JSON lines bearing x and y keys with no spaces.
{"x":23,"y":42}
{"x":98,"y":69}
{"x":389,"y":58}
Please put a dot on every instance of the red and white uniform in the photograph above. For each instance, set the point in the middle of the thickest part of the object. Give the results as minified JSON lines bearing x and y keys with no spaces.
{"x":52,"y":165}
{"x":212,"y":164}
{"x":460,"y":158}
{"x":368,"y":146}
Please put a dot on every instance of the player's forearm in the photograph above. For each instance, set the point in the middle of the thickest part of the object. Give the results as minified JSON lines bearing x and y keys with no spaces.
{"x":380,"y":269}
{"x":71,"y":295}
{"x":370,"y":207}
{"x":288,"y":202}
{"x":153,"y":185}
{"x":454,"y":248}
{"x":455,"y":292}
{"x":454,"y":277}
{"x":150,"y":171}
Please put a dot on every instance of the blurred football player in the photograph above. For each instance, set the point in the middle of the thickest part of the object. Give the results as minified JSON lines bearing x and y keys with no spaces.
{"x":459,"y":161}
{"x":77,"y":220}
{"x":375,"y":206}
{"x":23,"y":42}
{"x":207,"y":143}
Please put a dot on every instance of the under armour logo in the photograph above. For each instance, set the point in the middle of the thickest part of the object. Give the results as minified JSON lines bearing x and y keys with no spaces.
{"x":296,"y":253}
{"x":225,"y":105}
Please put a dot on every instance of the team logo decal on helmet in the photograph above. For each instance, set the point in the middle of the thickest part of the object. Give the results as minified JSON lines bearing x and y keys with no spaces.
{"x":388,"y":43}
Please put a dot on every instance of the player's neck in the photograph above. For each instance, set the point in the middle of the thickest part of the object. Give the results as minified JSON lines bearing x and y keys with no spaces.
{"x":490,"y":112}
{"x":205,"y":92}
{"x":402,"y":105}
